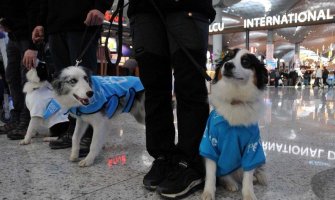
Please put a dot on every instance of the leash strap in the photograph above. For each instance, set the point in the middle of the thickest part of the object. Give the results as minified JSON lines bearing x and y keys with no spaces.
{"x":183,"y":48}
{"x":84,"y":49}
{"x":119,"y":12}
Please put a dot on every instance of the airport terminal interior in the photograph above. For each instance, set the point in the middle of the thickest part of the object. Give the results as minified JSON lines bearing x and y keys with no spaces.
{"x":297,"y":128}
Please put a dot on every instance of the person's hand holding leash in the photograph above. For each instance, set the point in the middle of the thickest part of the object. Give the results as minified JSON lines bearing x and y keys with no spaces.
{"x":29,"y":59}
{"x":94,"y":18}
{"x":38,"y":34}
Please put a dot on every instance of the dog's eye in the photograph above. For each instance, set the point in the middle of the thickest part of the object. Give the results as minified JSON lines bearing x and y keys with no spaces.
{"x":73,"y":81}
{"x":86,"y":79}
{"x":245,"y":62}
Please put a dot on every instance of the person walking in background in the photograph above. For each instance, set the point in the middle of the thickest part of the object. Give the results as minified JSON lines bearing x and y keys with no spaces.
{"x":277,"y":77}
{"x":65,"y":23}
{"x":325,"y":73}
{"x":318,"y":76}
{"x":18,"y":19}
{"x":177,"y":168}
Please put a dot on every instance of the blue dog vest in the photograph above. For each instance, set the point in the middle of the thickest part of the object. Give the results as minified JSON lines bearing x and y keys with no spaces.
{"x":231,"y":147}
{"x":107,"y":92}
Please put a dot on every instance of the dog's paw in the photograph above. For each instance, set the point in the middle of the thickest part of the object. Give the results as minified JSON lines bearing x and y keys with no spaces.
{"x":24,"y":142}
{"x":73,"y":158}
{"x":249,"y":196}
{"x":261,"y":178}
{"x":231,"y":186}
{"x":85,"y":163}
{"x":206,"y":195}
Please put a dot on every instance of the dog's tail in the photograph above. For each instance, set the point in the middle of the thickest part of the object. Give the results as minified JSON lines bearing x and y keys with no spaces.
{"x":138,"y":110}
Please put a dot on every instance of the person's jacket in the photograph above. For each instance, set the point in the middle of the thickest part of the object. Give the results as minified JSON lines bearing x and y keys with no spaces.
{"x":167,"y":6}
{"x":19,"y":17}
{"x":68,"y":15}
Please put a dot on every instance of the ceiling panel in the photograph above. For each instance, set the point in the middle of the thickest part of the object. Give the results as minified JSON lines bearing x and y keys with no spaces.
{"x":311,"y":37}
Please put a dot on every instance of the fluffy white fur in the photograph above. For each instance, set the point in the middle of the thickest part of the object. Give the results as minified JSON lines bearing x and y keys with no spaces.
{"x":36,"y":124}
{"x":238,"y":99}
{"x":248,"y":112}
{"x":33,"y":81}
{"x":101,"y":124}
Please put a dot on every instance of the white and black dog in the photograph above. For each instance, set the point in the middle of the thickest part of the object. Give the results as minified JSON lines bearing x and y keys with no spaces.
{"x":231,"y":142}
{"x":94,"y":100}
{"x":45,"y":113}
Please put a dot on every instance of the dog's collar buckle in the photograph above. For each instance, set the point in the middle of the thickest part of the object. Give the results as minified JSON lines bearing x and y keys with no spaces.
{"x":78,"y":62}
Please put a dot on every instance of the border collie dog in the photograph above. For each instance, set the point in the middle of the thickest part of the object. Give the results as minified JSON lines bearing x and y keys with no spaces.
{"x":45,"y":112}
{"x":94,"y":100}
{"x":231,"y":142}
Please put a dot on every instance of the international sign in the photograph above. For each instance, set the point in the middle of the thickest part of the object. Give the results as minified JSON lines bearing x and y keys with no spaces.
{"x":301,"y":17}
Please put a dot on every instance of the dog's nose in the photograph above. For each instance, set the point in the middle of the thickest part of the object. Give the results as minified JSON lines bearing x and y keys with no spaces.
{"x":89,"y":93}
{"x":229,"y":66}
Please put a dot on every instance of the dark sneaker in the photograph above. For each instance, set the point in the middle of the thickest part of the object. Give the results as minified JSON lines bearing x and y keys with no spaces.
{"x":85,"y":144}
{"x":19,"y":132}
{"x":63,"y":142}
{"x":5,"y":129}
{"x":158,"y":172}
{"x":180,"y":181}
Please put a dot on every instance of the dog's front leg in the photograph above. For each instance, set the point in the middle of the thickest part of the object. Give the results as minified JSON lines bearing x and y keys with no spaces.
{"x":79,"y":131}
{"x":34,"y":123}
{"x":98,"y":140}
{"x":248,"y":186}
{"x":210,"y":182}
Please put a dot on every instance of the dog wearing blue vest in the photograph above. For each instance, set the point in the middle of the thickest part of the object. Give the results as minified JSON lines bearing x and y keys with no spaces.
{"x":231,"y":144}
{"x":95,"y":100}
{"x":46,"y":114}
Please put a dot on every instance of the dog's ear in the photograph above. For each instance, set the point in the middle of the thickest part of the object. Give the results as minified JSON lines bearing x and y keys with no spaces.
{"x":89,"y":74}
{"x":261,"y":72}
{"x":227,"y":55}
{"x":42,"y":71}
{"x":57,"y":83}
{"x":217,"y":74}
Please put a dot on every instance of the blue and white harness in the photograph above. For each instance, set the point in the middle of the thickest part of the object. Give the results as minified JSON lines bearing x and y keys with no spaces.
{"x":231,"y":147}
{"x":107,"y":93}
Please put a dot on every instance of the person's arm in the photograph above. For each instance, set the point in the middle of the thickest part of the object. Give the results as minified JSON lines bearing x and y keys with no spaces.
{"x":30,"y":55}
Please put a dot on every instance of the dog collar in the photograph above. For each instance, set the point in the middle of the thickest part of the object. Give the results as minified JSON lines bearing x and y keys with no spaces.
{"x":236,"y":102}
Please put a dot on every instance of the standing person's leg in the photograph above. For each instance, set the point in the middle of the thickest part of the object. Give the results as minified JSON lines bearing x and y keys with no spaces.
{"x":21,"y":129}
{"x":151,"y":52}
{"x":60,"y":55}
{"x":76,"y":44}
{"x":89,"y":60}
{"x":192,"y":101}
{"x":59,"y":51}
{"x":13,"y":80}
{"x":64,"y":49}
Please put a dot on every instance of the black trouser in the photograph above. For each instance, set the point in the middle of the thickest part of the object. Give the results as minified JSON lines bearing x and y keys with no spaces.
{"x":65,"y":48}
{"x":157,"y":54}
{"x":324,"y":80}
{"x":317,"y":82}
{"x":15,"y":77}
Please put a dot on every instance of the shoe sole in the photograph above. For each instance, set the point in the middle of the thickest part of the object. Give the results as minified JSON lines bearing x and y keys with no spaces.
{"x":151,"y":188}
{"x":192,"y":186}
{"x":60,"y":147}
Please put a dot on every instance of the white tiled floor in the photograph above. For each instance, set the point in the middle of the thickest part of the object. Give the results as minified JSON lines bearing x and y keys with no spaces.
{"x":298,"y":132}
